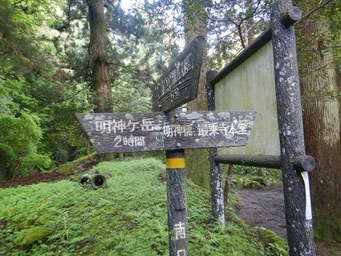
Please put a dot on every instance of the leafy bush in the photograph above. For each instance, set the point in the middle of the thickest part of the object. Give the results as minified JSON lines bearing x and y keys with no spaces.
{"x":19,"y":137}
{"x":7,"y":161}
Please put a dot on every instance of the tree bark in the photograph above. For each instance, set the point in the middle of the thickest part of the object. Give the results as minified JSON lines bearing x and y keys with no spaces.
{"x":101,"y":85}
{"x":320,"y":80}
{"x":295,"y":183}
{"x":195,"y":19}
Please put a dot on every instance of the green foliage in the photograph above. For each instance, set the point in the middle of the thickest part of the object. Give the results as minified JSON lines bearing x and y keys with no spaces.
{"x":251,"y":177}
{"x":19,"y":137}
{"x":21,"y":133}
{"x":128,"y":217}
{"x":30,"y":84}
{"x":326,"y":227}
{"x":7,"y":161}
{"x":233,"y":26}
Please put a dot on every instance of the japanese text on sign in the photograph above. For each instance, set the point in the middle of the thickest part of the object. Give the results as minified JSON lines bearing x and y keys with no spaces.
{"x":135,"y":132}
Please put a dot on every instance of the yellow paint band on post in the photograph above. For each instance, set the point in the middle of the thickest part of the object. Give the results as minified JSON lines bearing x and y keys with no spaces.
{"x":175,"y":163}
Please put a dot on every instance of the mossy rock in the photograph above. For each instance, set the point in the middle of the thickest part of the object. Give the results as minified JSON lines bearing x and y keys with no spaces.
{"x":268,"y":181}
{"x":259,"y":179}
{"x":110,"y":157}
{"x":34,"y":234}
{"x":24,"y":224}
{"x":272,"y":242}
{"x":269,"y":237}
{"x":67,"y":168}
{"x":251,"y":184}
{"x":43,"y":219}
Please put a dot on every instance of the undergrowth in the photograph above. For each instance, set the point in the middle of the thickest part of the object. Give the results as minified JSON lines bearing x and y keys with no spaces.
{"x":128,"y":217}
{"x":251,"y":177}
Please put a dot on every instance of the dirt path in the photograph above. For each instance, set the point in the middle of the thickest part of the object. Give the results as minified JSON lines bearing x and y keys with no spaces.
{"x":265,"y":208}
{"x":38,"y":177}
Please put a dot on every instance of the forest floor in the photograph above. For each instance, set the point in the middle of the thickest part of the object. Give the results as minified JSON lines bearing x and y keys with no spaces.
{"x":265,"y":208}
{"x":33,"y":178}
{"x":38,"y":177}
{"x":258,"y":207}
{"x":127,"y":217}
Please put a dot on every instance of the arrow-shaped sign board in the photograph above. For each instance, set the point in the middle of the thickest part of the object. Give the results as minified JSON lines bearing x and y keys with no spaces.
{"x":135,"y":132}
{"x":179,"y":83}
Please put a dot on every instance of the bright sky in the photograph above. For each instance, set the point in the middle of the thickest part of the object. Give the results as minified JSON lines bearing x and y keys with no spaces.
{"x":126,"y":4}
{"x":129,"y":4}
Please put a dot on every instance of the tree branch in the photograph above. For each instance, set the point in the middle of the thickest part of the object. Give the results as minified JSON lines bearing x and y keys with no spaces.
{"x":320,"y":6}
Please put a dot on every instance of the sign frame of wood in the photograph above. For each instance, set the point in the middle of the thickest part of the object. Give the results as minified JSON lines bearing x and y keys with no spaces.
{"x":179,"y":83}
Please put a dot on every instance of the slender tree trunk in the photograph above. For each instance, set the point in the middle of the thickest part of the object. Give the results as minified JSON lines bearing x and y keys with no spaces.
{"x":98,"y":56}
{"x":197,"y":160}
{"x":320,"y":82}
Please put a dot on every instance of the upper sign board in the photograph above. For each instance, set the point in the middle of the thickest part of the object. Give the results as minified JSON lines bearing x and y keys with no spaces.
{"x":135,"y":132}
{"x":179,"y":83}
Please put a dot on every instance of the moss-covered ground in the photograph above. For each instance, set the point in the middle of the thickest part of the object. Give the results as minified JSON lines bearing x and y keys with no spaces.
{"x":128,"y":217}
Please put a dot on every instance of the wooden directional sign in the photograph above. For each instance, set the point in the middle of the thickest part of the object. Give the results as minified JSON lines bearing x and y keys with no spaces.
{"x":135,"y":132}
{"x":179,"y":83}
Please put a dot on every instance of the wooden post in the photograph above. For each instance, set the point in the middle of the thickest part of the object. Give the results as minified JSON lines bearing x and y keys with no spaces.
{"x":295,"y":183}
{"x":216,"y":171}
{"x":176,"y":197}
{"x":176,"y":200}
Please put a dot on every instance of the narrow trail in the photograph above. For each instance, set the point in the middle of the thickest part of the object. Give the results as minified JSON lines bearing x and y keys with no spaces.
{"x":265,"y":208}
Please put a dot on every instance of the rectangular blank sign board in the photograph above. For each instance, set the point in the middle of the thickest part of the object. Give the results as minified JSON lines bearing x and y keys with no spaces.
{"x":251,"y":86}
{"x":135,"y":132}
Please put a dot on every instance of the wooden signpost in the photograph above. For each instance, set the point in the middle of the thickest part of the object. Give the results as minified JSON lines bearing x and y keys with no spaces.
{"x":136,"y":132}
{"x":179,"y":83}
{"x":172,"y":131}
{"x":175,"y":131}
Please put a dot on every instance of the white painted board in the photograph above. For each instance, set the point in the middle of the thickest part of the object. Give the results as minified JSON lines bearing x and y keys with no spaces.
{"x":251,"y":86}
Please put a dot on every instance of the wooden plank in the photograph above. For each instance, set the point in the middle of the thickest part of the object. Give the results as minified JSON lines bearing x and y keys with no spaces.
{"x":258,"y":43}
{"x":135,"y":132}
{"x":179,"y":83}
{"x":124,"y":132}
{"x":267,"y":161}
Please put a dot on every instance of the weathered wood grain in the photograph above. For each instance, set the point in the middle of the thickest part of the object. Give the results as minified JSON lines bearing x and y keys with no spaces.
{"x":179,"y":83}
{"x":135,"y":132}
{"x":177,"y":206}
{"x":266,"y":161}
{"x":216,"y":171}
{"x":295,"y":184}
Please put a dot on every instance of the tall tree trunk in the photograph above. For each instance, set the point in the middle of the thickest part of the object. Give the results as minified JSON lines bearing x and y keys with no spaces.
{"x":320,"y":83}
{"x":195,"y":18}
{"x":98,"y":56}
